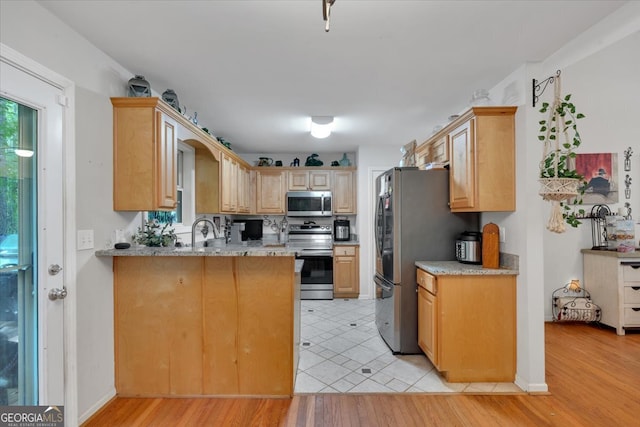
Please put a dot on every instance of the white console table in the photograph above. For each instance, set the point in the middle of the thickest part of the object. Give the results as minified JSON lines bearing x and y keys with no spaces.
{"x":613,"y":280}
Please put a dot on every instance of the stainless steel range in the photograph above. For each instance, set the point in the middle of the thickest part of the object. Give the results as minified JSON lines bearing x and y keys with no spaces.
{"x":313,"y":244}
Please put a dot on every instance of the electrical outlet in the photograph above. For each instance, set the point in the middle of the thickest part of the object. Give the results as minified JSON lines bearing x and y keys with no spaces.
{"x":503,"y":236}
{"x":85,"y":239}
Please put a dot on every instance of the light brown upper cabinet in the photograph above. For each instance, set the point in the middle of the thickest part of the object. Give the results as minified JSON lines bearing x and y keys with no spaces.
{"x":145,"y":144}
{"x":462,"y":167}
{"x":271,"y":189}
{"x":146,"y":132}
{"x":244,"y":189}
{"x":344,"y":193}
{"x":235,"y":186}
{"x":229,"y":184}
{"x":480,"y":148}
{"x":439,"y":150}
{"x":304,"y":180}
{"x":207,"y":177}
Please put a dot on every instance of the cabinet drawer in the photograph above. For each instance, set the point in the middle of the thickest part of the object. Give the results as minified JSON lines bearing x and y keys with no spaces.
{"x":426,"y":281}
{"x":631,"y":274}
{"x":344,"y":251}
{"x":632,"y":316}
{"x":632,"y":294}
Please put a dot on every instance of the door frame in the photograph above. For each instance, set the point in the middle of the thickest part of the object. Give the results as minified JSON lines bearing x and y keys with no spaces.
{"x":67,"y":87}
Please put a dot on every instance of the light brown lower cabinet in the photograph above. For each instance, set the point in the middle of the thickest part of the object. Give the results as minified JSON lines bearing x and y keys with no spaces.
{"x":205,"y":325}
{"x":467,"y":325}
{"x":346,"y":272}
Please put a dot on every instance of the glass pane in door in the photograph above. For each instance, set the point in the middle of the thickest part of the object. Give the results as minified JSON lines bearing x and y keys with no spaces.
{"x":18,"y":287}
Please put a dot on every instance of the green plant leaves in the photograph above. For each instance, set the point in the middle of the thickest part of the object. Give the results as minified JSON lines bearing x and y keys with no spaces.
{"x":154,"y":235}
{"x":562,"y":117}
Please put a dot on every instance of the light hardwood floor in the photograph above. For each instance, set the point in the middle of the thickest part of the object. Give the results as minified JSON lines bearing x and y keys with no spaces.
{"x":593,"y":377}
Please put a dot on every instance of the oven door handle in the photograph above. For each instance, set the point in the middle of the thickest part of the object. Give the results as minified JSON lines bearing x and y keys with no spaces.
{"x":315,"y":252}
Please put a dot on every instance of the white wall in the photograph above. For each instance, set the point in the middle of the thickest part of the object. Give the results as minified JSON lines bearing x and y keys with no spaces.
{"x":600,"y":69}
{"x":605,"y":87}
{"x":31,"y":30}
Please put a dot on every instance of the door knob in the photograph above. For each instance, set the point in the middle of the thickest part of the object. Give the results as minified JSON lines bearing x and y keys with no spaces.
{"x":54,"y":269}
{"x":56,"y":293}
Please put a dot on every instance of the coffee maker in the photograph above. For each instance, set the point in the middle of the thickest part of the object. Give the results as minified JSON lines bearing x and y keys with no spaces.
{"x":341,"y":229}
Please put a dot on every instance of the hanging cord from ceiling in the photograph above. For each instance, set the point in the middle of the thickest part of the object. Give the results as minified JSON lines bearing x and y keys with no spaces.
{"x":326,"y":12}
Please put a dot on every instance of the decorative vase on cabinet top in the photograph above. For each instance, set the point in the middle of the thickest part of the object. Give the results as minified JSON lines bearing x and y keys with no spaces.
{"x":345,"y":161}
{"x":139,"y":87}
{"x":171,"y":98}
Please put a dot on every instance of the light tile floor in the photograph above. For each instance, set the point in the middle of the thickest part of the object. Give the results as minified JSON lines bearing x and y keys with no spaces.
{"x":341,"y":351}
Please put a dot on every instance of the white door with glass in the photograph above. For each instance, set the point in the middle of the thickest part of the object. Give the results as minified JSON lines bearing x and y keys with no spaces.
{"x":31,"y":240}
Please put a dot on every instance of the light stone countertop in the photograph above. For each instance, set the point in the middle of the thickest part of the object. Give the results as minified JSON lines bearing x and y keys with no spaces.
{"x":352,"y":242}
{"x":614,"y":254}
{"x":226,"y":250}
{"x":457,"y":268}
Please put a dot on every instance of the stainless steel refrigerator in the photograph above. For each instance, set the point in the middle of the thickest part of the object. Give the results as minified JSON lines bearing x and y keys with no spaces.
{"x":413,"y":223}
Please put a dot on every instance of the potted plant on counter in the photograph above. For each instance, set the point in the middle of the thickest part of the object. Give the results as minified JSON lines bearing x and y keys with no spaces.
{"x":155,"y":235}
{"x":561,"y":184}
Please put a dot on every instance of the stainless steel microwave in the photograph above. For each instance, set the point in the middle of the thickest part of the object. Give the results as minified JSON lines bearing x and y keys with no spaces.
{"x":309,"y":203}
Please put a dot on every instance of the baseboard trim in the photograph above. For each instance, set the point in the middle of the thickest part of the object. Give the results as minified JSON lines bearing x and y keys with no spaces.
{"x":97,"y":407}
{"x":531,"y":388}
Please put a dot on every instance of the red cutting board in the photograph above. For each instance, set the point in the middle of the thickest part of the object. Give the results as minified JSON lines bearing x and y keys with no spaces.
{"x":490,"y":246}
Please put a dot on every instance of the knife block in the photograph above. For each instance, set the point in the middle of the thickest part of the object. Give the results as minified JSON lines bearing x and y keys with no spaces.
{"x":490,"y":246}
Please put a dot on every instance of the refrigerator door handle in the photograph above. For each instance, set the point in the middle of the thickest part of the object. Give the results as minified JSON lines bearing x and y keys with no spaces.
{"x":379,"y":228}
{"x":380,"y":283}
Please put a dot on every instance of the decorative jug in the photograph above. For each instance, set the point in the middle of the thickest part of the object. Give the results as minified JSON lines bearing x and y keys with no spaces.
{"x":171,"y":98}
{"x":139,"y":87}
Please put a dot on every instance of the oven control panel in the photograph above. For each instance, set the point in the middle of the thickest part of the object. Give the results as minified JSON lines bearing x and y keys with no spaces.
{"x":310,"y":229}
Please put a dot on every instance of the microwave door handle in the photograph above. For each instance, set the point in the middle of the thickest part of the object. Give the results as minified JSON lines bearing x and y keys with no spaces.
{"x":329,"y":199}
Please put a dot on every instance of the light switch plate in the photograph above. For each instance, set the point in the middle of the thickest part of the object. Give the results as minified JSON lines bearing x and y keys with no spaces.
{"x":503,"y":236}
{"x":85,"y":239}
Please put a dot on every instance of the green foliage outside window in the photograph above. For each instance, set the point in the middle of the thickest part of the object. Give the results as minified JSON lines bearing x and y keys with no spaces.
{"x":8,"y":167}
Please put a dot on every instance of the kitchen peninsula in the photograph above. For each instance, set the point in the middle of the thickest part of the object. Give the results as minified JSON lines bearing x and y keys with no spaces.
{"x":211,"y":321}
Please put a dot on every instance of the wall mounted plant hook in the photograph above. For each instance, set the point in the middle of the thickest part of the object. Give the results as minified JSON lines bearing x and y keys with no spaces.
{"x":538,"y":88}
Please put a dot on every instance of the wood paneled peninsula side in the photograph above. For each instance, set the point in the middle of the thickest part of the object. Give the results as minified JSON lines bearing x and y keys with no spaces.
{"x":211,"y":321}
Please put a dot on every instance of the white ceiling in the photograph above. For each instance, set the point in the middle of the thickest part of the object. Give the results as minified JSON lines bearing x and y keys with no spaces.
{"x":389,"y":71}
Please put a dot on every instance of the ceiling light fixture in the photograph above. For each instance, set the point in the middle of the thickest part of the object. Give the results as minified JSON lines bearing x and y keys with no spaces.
{"x":23,"y":153}
{"x":326,"y":12}
{"x":20,"y":152}
{"x":321,"y":126}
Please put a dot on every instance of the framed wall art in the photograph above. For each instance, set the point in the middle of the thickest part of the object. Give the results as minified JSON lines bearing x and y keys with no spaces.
{"x":600,"y":171}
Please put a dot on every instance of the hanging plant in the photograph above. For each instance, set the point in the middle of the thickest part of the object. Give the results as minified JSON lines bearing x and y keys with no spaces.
{"x":561,"y":184}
